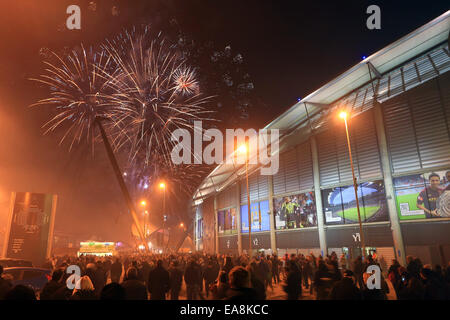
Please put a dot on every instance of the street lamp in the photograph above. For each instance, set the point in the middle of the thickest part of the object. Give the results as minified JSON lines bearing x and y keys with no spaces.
{"x":243,"y":149}
{"x":343,"y":115}
{"x":162,"y":186}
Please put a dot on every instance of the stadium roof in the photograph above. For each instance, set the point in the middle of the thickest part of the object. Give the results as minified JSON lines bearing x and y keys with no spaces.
{"x":413,"y":59}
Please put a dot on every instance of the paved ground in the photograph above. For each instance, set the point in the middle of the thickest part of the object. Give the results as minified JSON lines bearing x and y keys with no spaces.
{"x":277,"y":293}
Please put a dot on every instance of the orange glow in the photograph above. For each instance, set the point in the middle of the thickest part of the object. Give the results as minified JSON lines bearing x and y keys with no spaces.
{"x":143,"y":203}
{"x":162,"y":185}
{"x":343,"y":115}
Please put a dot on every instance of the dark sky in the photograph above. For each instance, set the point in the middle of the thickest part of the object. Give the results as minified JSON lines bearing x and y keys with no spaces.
{"x":290,"y":48}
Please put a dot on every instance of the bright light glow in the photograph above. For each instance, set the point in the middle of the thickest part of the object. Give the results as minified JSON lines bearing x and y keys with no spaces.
{"x":162,"y":185}
{"x":146,"y":186}
{"x":343,"y":115}
{"x":242,"y":149}
{"x":149,"y":244}
{"x":141,"y":247}
{"x":125,"y":174}
{"x":160,"y":251}
{"x":146,"y":212}
{"x":182,"y":225}
{"x":143,"y":203}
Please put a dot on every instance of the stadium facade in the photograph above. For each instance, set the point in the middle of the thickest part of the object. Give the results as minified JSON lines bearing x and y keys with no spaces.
{"x":399,"y":102}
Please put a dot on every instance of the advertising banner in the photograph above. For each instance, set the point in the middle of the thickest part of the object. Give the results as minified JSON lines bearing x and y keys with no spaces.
{"x":294,"y":212}
{"x":30,"y":230}
{"x":423,"y":196}
{"x":339,"y":204}
{"x":260,"y":216}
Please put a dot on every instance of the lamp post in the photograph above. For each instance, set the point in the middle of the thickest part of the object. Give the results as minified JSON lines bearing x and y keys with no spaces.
{"x":146,"y":227}
{"x":243,"y":149}
{"x":144,"y":205}
{"x":162,"y":186}
{"x":343,"y":115}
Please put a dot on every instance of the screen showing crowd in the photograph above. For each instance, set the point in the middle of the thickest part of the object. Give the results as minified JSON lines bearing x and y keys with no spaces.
{"x":340,"y":207}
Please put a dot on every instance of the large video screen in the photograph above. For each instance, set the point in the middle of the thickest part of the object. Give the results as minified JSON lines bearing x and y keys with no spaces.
{"x":200,"y":228}
{"x":296,"y":211}
{"x":227,"y":221}
{"x":260,"y":215}
{"x":423,"y":196}
{"x":339,"y":204}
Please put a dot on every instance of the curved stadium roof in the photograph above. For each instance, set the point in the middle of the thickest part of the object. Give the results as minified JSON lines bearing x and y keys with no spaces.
{"x":404,"y":64}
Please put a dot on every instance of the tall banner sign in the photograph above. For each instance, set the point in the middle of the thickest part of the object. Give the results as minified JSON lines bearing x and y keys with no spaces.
{"x":30,"y":226}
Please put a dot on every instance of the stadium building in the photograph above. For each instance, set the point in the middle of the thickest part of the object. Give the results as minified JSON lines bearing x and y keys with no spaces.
{"x":398,"y":101}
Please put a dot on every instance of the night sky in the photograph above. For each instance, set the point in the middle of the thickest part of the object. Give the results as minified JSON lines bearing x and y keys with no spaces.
{"x":290,"y":49}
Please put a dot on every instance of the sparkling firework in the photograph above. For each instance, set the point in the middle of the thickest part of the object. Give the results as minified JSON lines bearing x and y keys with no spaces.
{"x":77,"y":89}
{"x":143,"y":89}
{"x":156,"y":93}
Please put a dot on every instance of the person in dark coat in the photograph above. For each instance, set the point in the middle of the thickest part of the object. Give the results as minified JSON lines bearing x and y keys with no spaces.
{"x":116,"y":271}
{"x":143,"y":272}
{"x":239,"y":285}
{"x":20,"y":293}
{"x":276,"y":263}
{"x":293,"y":286}
{"x":5,"y":285}
{"x":345,"y":289}
{"x":434,"y":289}
{"x":255,"y":282}
{"x":134,"y":288}
{"x":322,"y":281}
{"x":358,"y":270}
{"x":52,"y":286}
{"x":193,"y":280}
{"x":220,"y":287}
{"x":210,"y":275}
{"x":176,"y":280}
{"x":228,"y":265}
{"x":158,"y":282}
{"x":112,"y":291}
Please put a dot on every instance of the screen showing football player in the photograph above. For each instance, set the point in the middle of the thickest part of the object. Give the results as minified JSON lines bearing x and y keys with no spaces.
{"x":426,"y":200}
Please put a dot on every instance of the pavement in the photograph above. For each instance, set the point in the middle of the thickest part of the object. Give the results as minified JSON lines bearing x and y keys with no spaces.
{"x":277,"y":292}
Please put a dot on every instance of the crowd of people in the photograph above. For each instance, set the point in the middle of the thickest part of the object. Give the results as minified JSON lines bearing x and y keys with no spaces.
{"x":160,"y":277}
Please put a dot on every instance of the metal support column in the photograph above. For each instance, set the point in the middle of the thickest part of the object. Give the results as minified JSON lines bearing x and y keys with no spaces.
{"x":388,"y":186}
{"x":238,"y":216}
{"x":318,"y":198}
{"x":273,"y":240}
{"x":216,"y":225}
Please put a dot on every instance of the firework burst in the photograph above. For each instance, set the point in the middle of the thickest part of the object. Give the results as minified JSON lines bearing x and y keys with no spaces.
{"x":77,"y":90}
{"x":141,"y":88}
{"x":155,"y":93}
